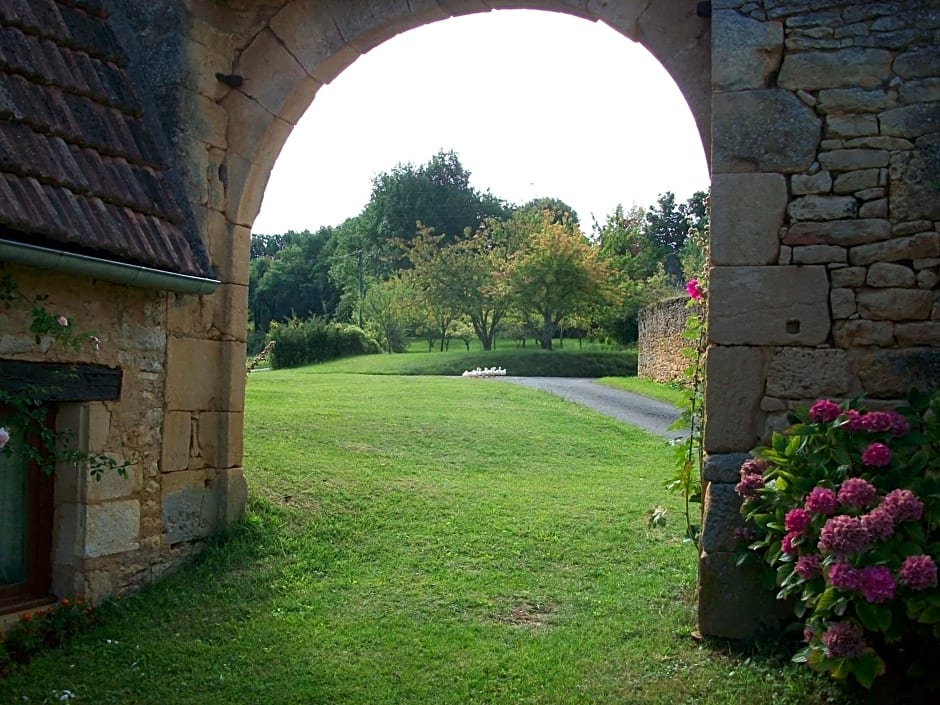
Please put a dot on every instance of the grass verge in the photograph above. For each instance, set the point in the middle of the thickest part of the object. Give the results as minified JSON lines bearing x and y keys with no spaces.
{"x":426,"y":540}
{"x":648,"y":388}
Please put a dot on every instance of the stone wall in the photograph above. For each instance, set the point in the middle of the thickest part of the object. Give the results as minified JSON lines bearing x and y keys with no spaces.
{"x":825,"y":232}
{"x":660,"y":344}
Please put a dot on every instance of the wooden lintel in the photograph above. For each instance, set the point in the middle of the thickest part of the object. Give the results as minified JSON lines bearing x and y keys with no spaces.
{"x":61,"y":382}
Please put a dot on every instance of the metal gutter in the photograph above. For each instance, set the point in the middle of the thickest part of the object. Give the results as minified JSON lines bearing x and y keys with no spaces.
{"x":119,"y":272}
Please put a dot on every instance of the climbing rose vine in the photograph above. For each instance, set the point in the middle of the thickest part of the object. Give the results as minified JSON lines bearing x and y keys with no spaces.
{"x":845,"y":506}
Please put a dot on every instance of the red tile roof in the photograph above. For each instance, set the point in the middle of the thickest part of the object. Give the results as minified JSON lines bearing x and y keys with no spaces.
{"x":79,"y":170}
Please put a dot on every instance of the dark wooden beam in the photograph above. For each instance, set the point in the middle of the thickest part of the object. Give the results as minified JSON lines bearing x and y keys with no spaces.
{"x":58,"y":382}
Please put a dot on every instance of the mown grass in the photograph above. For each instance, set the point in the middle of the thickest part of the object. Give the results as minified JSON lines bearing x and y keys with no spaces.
{"x":671,"y":394}
{"x":426,"y":540}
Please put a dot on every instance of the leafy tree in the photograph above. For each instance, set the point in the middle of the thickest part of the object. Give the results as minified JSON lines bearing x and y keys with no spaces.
{"x":557,"y":274}
{"x":561,"y":211}
{"x":388,"y":312}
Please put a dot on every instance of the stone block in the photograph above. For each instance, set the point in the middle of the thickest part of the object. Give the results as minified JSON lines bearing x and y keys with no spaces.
{"x":802,"y":184}
{"x":808,"y":373}
{"x":852,"y":181}
{"x":874,"y":209}
{"x":318,"y":45}
{"x":910,"y":121}
{"x":860,"y":333}
{"x":734,"y":387}
{"x":231,"y":493}
{"x":747,"y":211}
{"x":894,"y":304}
{"x":113,"y":485}
{"x":732,"y":604}
{"x":721,"y":511}
{"x":177,"y":429}
{"x":927,"y":279}
{"x":900,"y":248}
{"x":270,"y":71}
{"x":819,"y":254}
{"x":918,"y":333}
{"x":822,"y":208}
{"x":889,"y":374}
{"x":838,"y":232}
{"x":923,"y":91}
{"x":205,"y":375}
{"x":229,"y":246}
{"x":723,"y":467}
{"x":872,"y":194}
{"x":853,"y":159}
{"x":745,"y":52}
{"x":918,"y":62}
{"x":218,"y":438}
{"x":111,"y":527}
{"x":221,"y":315}
{"x":842,"y":303}
{"x":848,"y":126}
{"x":848,"y":277}
{"x":912,"y":175}
{"x":844,"y":68}
{"x":854,"y":100}
{"x":763,"y":130}
{"x":769,"y":305}
{"x":189,"y":509}
{"x":884,"y":274}
{"x":891,"y":144}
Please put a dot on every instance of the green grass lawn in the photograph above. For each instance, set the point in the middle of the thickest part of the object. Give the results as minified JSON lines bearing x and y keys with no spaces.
{"x":656,"y":390}
{"x":426,"y":540}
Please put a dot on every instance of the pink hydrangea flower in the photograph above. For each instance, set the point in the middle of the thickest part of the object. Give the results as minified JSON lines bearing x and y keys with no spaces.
{"x":821,"y":500}
{"x":808,"y":566}
{"x":4,"y":436}
{"x":750,"y":483}
{"x":856,"y":493}
{"x":824,"y":411}
{"x":899,"y":424}
{"x":843,"y":640}
{"x":844,"y":576}
{"x":694,"y":289}
{"x":843,"y":536}
{"x":796,"y":520}
{"x":918,"y":572}
{"x":754,"y":465}
{"x":853,"y":420}
{"x":877,"y":584}
{"x":879,"y":523}
{"x":903,"y":505}
{"x":786,"y":543}
{"x":877,"y":455}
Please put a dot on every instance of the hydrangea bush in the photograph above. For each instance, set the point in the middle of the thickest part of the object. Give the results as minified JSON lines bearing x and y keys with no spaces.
{"x":845,"y":506}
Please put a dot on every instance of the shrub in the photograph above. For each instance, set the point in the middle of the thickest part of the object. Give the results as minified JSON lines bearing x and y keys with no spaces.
{"x":845,"y":506}
{"x":300,"y":342}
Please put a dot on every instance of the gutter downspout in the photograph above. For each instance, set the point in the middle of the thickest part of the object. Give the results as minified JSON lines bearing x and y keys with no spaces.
{"x":130,"y":274}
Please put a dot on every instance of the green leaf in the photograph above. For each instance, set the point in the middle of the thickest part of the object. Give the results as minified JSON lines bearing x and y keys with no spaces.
{"x":829,"y":597}
{"x":930,"y":615}
{"x":875,"y":618}
{"x":866,"y":668}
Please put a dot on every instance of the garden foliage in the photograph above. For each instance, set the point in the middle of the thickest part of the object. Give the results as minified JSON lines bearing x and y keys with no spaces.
{"x":301,"y":342}
{"x":845,"y":506}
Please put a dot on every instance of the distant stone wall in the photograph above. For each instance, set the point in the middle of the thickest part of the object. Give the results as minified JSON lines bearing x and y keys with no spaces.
{"x":659,"y":350}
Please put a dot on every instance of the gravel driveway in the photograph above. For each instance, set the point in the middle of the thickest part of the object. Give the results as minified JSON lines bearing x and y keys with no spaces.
{"x":649,"y":414}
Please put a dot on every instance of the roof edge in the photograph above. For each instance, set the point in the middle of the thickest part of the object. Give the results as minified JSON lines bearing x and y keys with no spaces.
{"x":118,"y":272}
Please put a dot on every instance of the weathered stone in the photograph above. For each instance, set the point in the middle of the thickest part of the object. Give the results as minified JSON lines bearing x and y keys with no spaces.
{"x":842,"y":232}
{"x":819,"y":254}
{"x":786,"y":255}
{"x":772,"y":405}
{"x":894,"y":304}
{"x":769,"y":306}
{"x":203,"y":375}
{"x":925,"y":262}
{"x":852,"y":159}
{"x":913,"y":247}
{"x":177,"y":427}
{"x":919,"y":62}
{"x":113,"y":485}
{"x":723,"y":467}
{"x":231,"y":495}
{"x":852,"y":181}
{"x":848,"y":277}
{"x":188,"y":509}
{"x":842,"y":303}
{"x":829,"y":145}
{"x":889,"y":374}
{"x":747,"y":212}
{"x":767,"y":131}
{"x":801,"y":184}
{"x":912,"y":227}
{"x":217,"y":440}
{"x":927,"y":279}
{"x":822,"y":208}
{"x":880,"y":142}
{"x":855,"y":68}
{"x":745,"y":53}
{"x":721,"y":507}
{"x":918,"y":333}
{"x":804,"y":373}
{"x":848,"y":126}
{"x":885,"y":274}
{"x":734,"y":405}
{"x":730,"y":605}
{"x":861,"y":333}
{"x":923,"y":91}
{"x":911,"y":121}
{"x":854,"y":100}
{"x":869,"y":194}
{"x":913,"y":175}
{"x":111,"y":527}
{"x":874,"y":209}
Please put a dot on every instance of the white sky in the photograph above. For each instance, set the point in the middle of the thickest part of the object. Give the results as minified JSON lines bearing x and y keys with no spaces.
{"x":534,"y":103}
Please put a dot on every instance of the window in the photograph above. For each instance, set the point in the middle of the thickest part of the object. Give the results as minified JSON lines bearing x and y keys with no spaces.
{"x":26,"y":503}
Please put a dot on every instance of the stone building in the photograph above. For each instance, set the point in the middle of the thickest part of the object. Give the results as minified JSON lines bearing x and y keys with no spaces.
{"x":821,"y":119}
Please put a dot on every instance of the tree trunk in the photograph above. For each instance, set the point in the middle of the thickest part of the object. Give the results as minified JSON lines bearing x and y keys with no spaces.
{"x":547,"y":330}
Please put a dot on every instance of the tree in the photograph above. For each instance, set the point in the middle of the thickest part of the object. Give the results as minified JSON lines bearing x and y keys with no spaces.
{"x":556,"y":274}
{"x":388,"y":311}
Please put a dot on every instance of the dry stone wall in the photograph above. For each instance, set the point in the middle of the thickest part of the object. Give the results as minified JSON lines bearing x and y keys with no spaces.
{"x":660,"y":346}
{"x":825,"y":232}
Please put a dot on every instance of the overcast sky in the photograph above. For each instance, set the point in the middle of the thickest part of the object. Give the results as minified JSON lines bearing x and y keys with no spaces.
{"x":534,"y":103}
